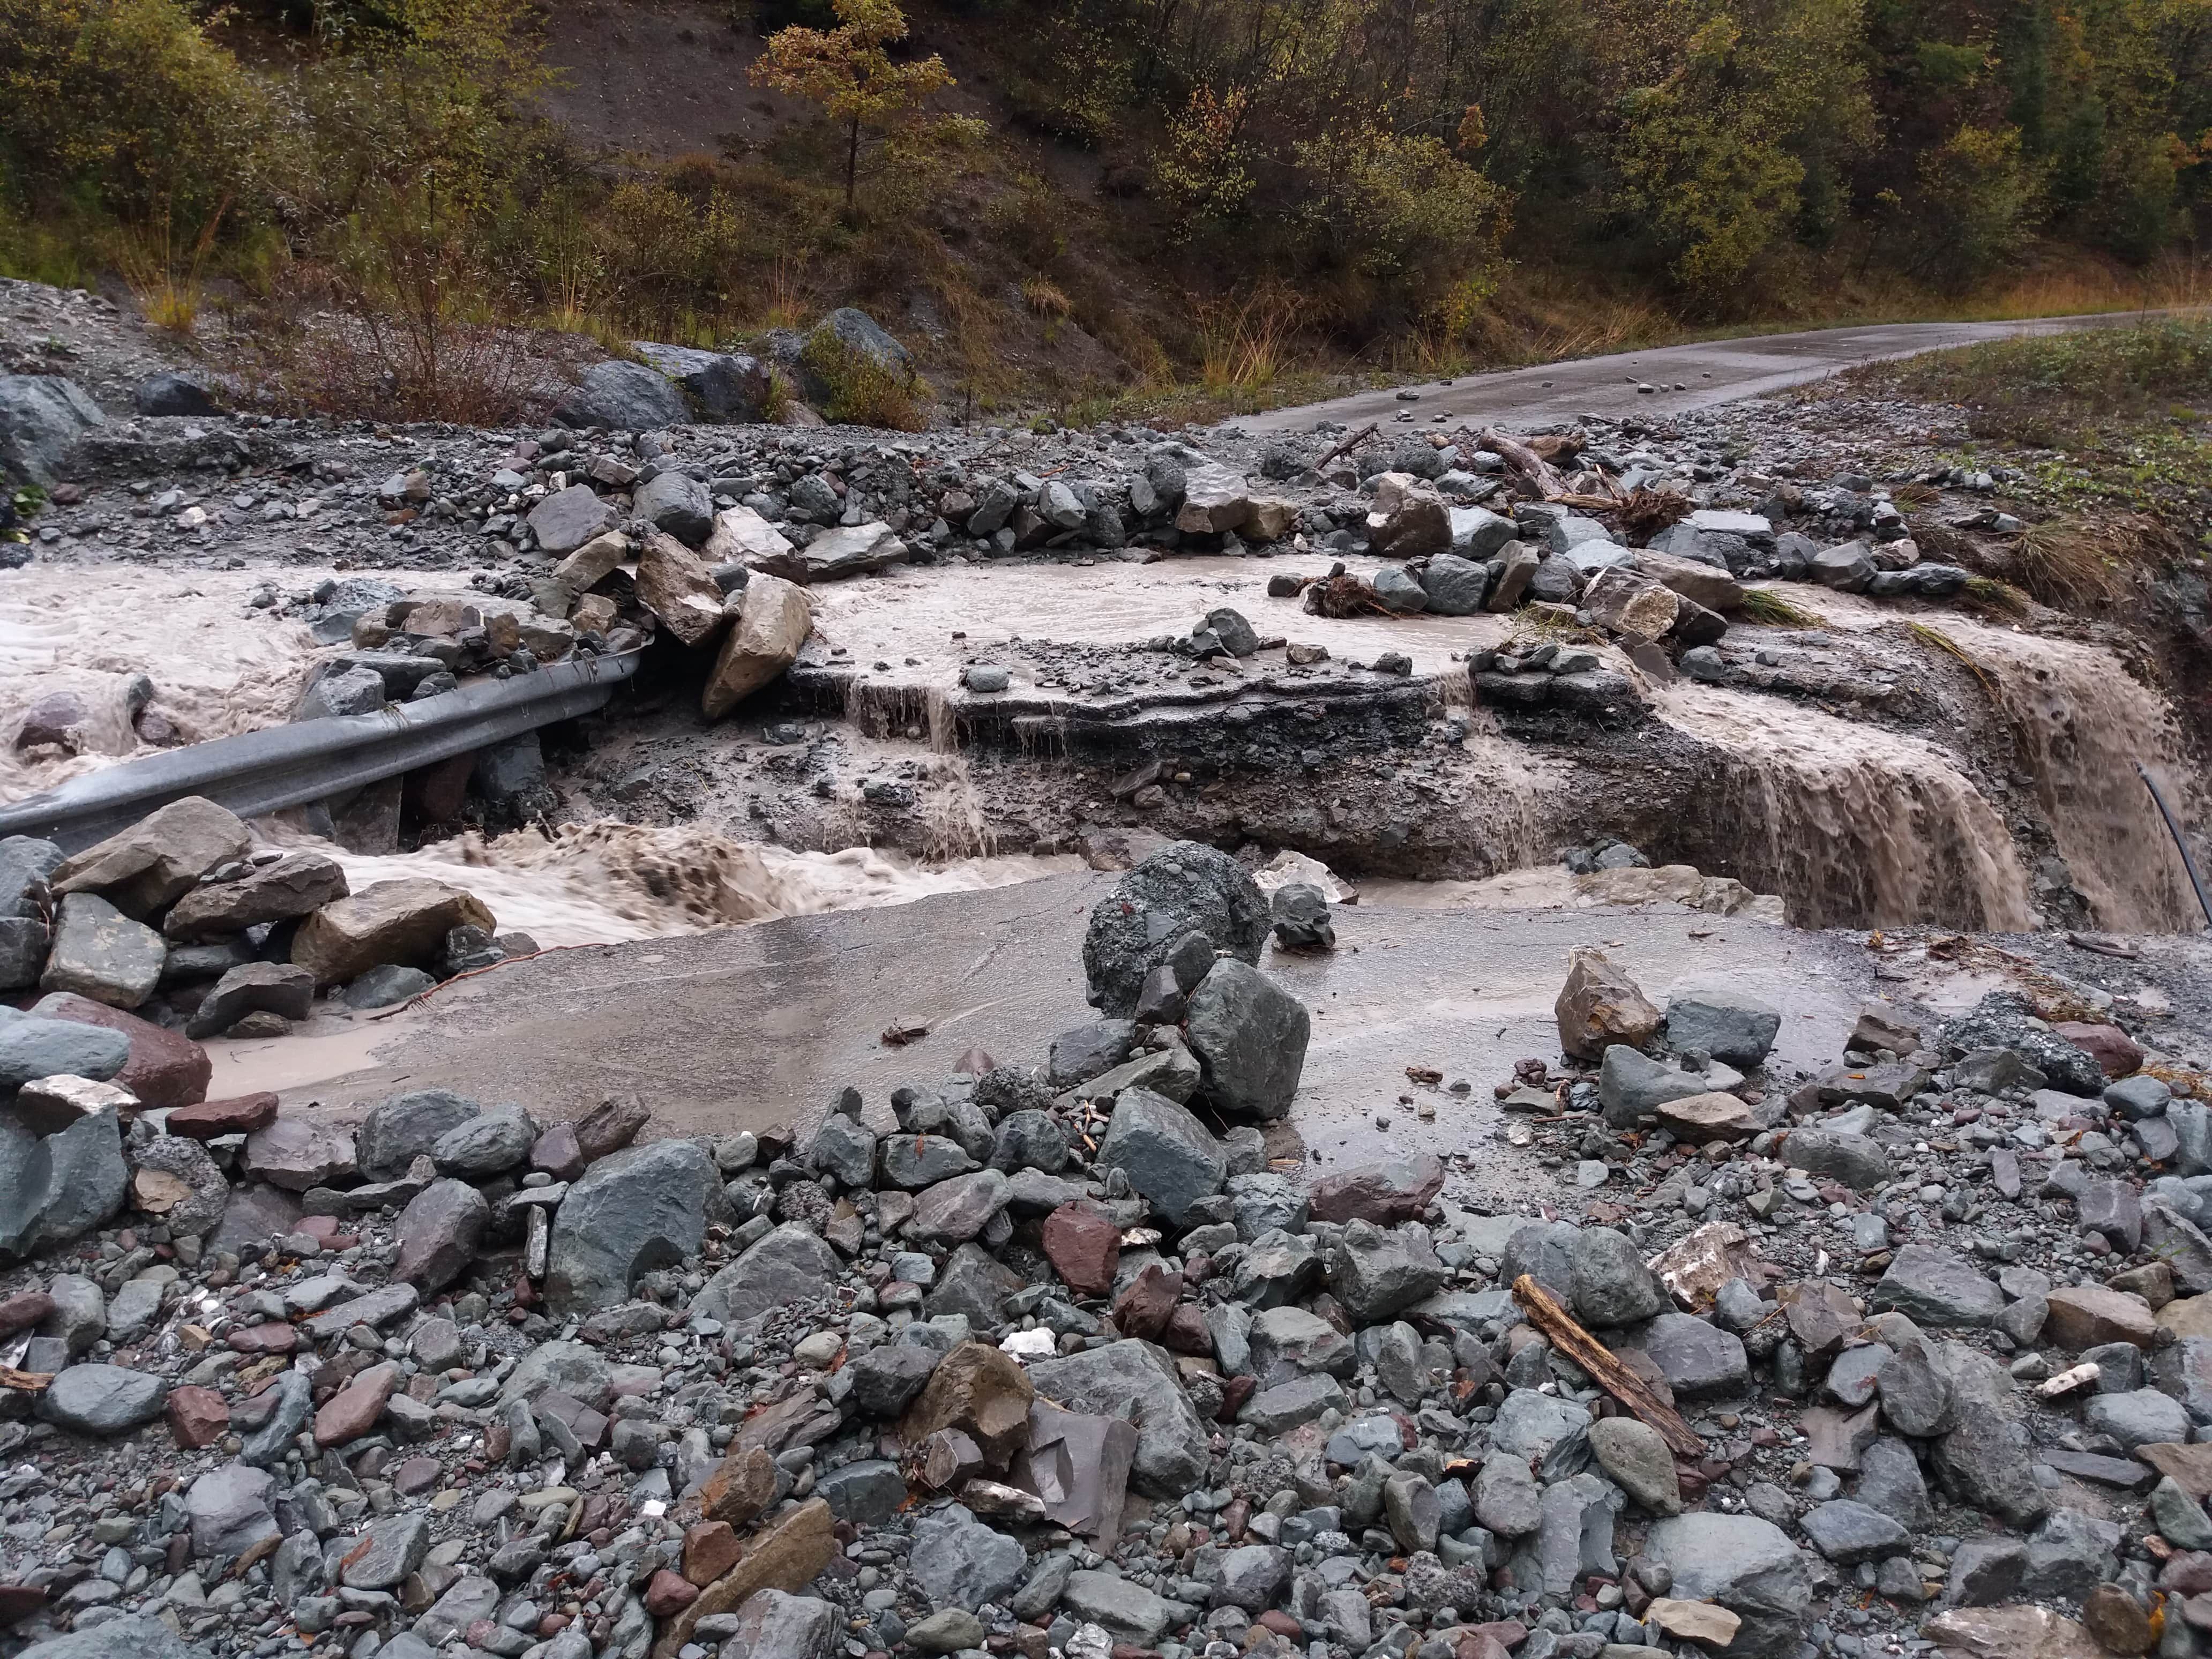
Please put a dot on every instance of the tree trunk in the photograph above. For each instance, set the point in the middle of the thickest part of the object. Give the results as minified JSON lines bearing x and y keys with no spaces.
{"x":852,"y":160}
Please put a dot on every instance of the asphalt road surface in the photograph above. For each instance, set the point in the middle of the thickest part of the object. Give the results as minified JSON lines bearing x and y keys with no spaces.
{"x":741,"y":1028}
{"x":1686,"y":377}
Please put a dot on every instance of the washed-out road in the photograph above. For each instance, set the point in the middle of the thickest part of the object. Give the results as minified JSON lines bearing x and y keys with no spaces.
{"x":1683,"y":377}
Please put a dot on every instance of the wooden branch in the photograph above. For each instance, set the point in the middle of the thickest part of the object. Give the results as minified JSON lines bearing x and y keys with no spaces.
{"x":24,"y":1382}
{"x":1525,"y":462}
{"x":1348,"y":444}
{"x":1560,"y":1330}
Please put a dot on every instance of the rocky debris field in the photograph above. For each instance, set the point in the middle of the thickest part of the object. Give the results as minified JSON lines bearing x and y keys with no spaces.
{"x":1072,"y":1356}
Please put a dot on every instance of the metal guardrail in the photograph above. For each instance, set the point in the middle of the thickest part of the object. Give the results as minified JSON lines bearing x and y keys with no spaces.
{"x":261,"y":772}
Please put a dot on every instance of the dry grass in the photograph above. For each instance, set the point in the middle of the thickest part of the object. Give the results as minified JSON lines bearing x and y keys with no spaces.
{"x":1045,"y":298}
{"x":2084,"y":561}
{"x":166,"y":280}
{"x":1936,"y":640}
{"x":1245,"y":344}
{"x":1993,"y":598}
{"x":1764,"y":605}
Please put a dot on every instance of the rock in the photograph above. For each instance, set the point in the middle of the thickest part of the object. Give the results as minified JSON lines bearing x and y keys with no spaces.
{"x":1890,"y":1481}
{"x":633,"y":1212}
{"x":57,"y":1188}
{"x":1171,"y":1442}
{"x":2000,"y":1020}
{"x":438,"y":1232}
{"x":947,"y":1631}
{"x":485,"y":1145}
{"x":1378,"y":1274}
{"x":1984,"y":1461}
{"x":1987,"y":1571}
{"x":390,"y":1548}
{"x":128,"y":1635}
{"x":2141,"y":1417}
{"x":291,"y":886}
{"x":2116,"y":1621}
{"x":723,"y":385}
{"x":1299,"y":911}
{"x":1699,"y":1360}
{"x":1916,"y":1398}
{"x":980,"y":1391}
{"x":623,"y":397}
{"x":1457,"y":586}
{"x":773,"y":621}
{"x":1084,"y":1244}
{"x":99,"y":953}
{"x":847,"y":551}
{"x":1631,"y":604}
{"x":2179,"y":1518}
{"x":1215,"y":502}
{"x":791,"y":1264}
{"x":177,"y":1180}
{"x":1600,"y":1004}
{"x":381,"y":987}
{"x":101,"y":1399}
{"x":228,"y":1507}
{"x":42,"y":417}
{"x":1286,"y":1406}
{"x":274,"y":988}
{"x":1249,"y":1036}
{"x":400,"y":1128}
{"x":1611,"y":1284}
{"x":163,"y":1067}
{"x":1401,"y":1189}
{"x":355,"y":1409}
{"x":48,"y":1105}
{"x":404,"y":922}
{"x":1183,"y":889}
{"x":2088,"y":1316}
{"x":1848,"y":1533}
{"x":1631,"y":1085}
{"x":1711,"y":1116}
{"x":297,"y":1154}
{"x":886,"y":1378}
{"x":1932,"y":1287}
{"x":1747,"y":1566}
{"x":1122,"y":1605}
{"x":677,"y":506}
{"x":1168,"y":1155}
{"x":955,"y":1211}
{"x":741,"y":1488}
{"x":1855,"y":1160}
{"x":1635,"y":1458}
{"x":32,"y":1048}
{"x":1086,"y":1052}
{"x":961,"y":1562}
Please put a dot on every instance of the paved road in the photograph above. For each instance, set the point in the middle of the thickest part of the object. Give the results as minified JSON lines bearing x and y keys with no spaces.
{"x":1688,"y":376}
{"x":745,"y":1027}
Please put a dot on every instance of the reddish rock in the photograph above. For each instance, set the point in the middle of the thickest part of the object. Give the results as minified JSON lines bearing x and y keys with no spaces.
{"x":1282,"y":1625}
{"x":2116,"y":1051}
{"x":1384,"y":1193}
{"x":241,"y":1116}
{"x":20,"y":1602}
{"x":1084,"y":1246}
{"x":741,"y":1487}
{"x":1143,"y":1309}
{"x":1235,"y":1391}
{"x":197,"y":1416}
{"x":666,"y":1593}
{"x":166,"y":1068}
{"x":1507,"y":1633}
{"x":1186,"y":1331}
{"x":353,"y":1410}
{"x":273,"y":1338}
{"x":613,"y":1124}
{"x":710,"y":1549}
{"x":417,"y":1474}
{"x":24,"y":1309}
{"x":558,"y":1153}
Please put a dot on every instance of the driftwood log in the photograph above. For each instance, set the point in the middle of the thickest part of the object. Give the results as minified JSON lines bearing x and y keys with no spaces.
{"x":1560,"y":1329}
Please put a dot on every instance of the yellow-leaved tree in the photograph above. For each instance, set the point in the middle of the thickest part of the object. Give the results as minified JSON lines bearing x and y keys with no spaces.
{"x":850,"y":72}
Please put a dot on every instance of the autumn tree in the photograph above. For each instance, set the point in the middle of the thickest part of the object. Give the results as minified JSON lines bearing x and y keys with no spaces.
{"x":850,"y":72}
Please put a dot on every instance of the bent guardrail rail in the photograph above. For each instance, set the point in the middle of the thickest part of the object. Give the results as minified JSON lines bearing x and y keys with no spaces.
{"x":261,"y":772}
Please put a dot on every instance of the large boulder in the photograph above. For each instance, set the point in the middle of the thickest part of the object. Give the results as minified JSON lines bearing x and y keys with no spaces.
{"x":722,"y":386}
{"x":129,"y":1636}
{"x":32,"y":1048}
{"x":100,"y":953}
{"x":291,"y":886}
{"x":400,"y":1128}
{"x":675,"y":504}
{"x":1171,"y":1441}
{"x":161,"y":1067}
{"x":847,"y":551}
{"x":55,"y":1188}
{"x":404,"y":922}
{"x":1748,"y":1566}
{"x":1249,"y":1034}
{"x":1182,"y":890}
{"x":1600,"y":1004}
{"x":772,"y":623}
{"x":631,"y":1212}
{"x":623,"y":397}
{"x":1729,"y":1026}
{"x":102,"y":1400}
{"x":42,"y":417}
{"x":792,"y":1264}
{"x":1170,"y":1156}
{"x":1937,"y":1287}
{"x":143,"y":870}
{"x":675,"y":584}
{"x":438,"y":1232}
{"x":274,"y":988}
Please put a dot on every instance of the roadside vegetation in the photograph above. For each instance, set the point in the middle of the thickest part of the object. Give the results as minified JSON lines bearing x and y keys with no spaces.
{"x":1292,"y":196}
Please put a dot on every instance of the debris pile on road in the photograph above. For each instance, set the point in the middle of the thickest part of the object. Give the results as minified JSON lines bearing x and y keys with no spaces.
{"x":1078,"y":1359}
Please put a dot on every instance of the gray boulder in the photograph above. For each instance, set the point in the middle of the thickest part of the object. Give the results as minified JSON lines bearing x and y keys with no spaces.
{"x":723,"y":385}
{"x":568,"y":518}
{"x":32,"y":1048}
{"x":961,"y":1562}
{"x":1612,"y":1286}
{"x":55,"y":1188}
{"x":1249,"y":1036}
{"x":792,"y":1264}
{"x":633,"y":1210}
{"x":1089,"y":1051}
{"x":488,"y":1144}
{"x":438,"y":1232}
{"x":1457,"y":586}
{"x":100,"y":953}
{"x":1631,"y":1085}
{"x":1300,"y":912}
{"x":1727,"y":1024}
{"x":1378,"y":1273}
{"x":228,"y":1507}
{"x":1699,"y":1360}
{"x":1858,"y":1161}
{"x":1171,"y":1442}
{"x":400,"y":1128}
{"x":275,"y":988}
{"x":129,"y":1636}
{"x":1748,"y":1566}
{"x":1183,"y":889}
{"x":1935,"y":1287}
{"x":42,"y":417}
{"x":623,"y":397}
{"x":102,"y":1399}
{"x":676,"y":503}
{"x":1545,"y":1251}
{"x":1170,"y":1156}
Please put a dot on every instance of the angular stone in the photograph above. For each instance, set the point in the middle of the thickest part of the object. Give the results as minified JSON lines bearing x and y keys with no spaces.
{"x":1699,"y":1360}
{"x":980,"y":1391}
{"x":1636,"y":1458}
{"x":1399,"y":1189}
{"x":1171,"y":1443}
{"x":297,"y":1153}
{"x":1378,"y":1274}
{"x":290,"y":886}
{"x":1168,"y":1155}
{"x":791,"y":1264}
{"x":1249,"y":1036}
{"x":143,"y":870}
{"x":404,"y":922}
{"x":773,"y":619}
{"x":1746,"y":1566}
{"x":274,"y":988}
{"x":101,"y":1399}
{"x":673,"y":582}
{"x":212,"y":1120}
{"x":631,"y":1212}
{"x":1933,"y":1286}
{"x":1600,"y":1004}
{"x":439,"y":1233}
{"x":2087,"y":1316}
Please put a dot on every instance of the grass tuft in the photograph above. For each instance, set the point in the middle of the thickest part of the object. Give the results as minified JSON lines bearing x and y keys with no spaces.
{"x":1764,"y":605}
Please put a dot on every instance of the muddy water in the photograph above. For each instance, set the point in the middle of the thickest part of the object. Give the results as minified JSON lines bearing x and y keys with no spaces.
{"x":608,"y":883}
{"x":915,"y":613}
{"x":218,"y":667}
{"x":2081,"y":724}
{"x":1853,"y":826}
